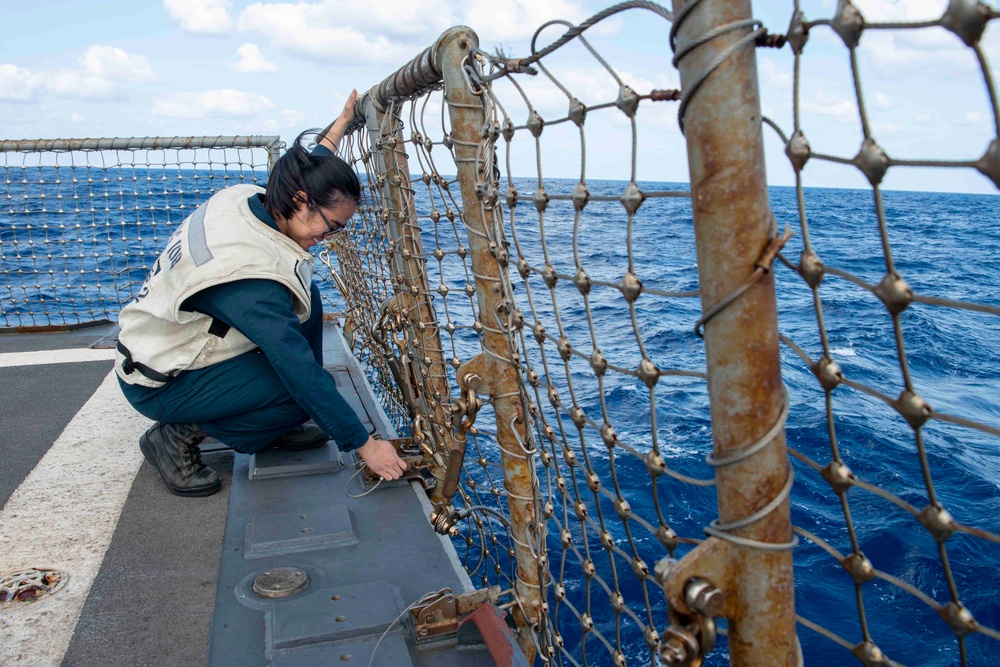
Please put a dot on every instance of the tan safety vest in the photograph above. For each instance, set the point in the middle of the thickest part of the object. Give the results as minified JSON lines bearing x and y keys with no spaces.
{"x":221,"y":242}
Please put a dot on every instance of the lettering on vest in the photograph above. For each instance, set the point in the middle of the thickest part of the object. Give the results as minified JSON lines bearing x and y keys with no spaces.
{"x":174,"y":253}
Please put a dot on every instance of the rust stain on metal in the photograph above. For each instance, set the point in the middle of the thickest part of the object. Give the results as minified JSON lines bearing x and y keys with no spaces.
{"x":404,"y":231}
{"x":467,"y":118}
{"x":732,"y":230}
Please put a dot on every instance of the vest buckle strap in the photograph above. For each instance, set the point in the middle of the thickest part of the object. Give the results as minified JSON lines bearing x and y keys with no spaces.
{"x":129,"y":366}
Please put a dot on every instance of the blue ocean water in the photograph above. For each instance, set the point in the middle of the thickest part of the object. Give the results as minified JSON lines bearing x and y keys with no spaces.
{"x":944,"y":245}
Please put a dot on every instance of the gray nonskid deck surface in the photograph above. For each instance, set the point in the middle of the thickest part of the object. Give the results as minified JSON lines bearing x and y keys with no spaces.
{"x":152,"y":602}
{"x":33,"y":414}
{"x":174,"y":584}
{"x":367,"y":558}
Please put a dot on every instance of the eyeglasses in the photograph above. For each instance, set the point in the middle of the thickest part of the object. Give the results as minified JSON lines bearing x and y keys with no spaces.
{"x":331,"y":229}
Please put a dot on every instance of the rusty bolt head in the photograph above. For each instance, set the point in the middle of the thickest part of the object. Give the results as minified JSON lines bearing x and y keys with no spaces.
{"x":663,"y":569}
{"x":673,"y":652}
{"x":704,"y":598}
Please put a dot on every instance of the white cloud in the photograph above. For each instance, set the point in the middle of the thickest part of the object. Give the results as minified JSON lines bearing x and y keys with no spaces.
{"x":880,"y":128}
{"x":76,"y":118}
{"x":225,"y":102}
{"x":900,"y":10}
{"x":252,"y":61}
{"x":114,"y":64}
{"x":881,"y":100}
{"x":974,"y":118}
{"x":210,"y":17}
{"x":518,"y":19}
{"x":76,"y":84}
{"x":17,"y":84}
{"x":923,"y":118}
{"x":774,"y":76}
{"x":843,"y":111}
{"x":393,"y":31}
{"x":292,"y":117}
{"x":103,"y":70}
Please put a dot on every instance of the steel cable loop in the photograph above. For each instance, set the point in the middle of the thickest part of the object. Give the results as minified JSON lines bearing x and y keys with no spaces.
{"x":764,"y":441}
{"x":762,"y":267}
{"x":688,"y":91}
{"x":506,"y":66}
{"x":728,"y":526}
{"x":717,"y":31}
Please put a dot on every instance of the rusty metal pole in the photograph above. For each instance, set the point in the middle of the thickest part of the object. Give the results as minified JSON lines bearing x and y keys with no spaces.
{"x":495,"y":368}
{"x":732,"y":228}
{"x":431,"y":390}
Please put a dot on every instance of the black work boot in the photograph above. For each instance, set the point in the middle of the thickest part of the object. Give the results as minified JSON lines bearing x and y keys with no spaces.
{"x":300,"y":438}
{"x":173,"y":450}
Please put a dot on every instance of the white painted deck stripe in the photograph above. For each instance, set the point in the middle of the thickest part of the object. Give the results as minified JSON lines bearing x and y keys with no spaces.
{"x":41,"y":357}
{"x":63,"y":516}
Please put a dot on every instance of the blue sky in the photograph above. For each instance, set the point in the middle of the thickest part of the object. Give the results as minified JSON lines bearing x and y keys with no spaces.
{"x":193,"y":67}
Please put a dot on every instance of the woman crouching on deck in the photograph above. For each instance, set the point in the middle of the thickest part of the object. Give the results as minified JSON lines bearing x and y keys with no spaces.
{"x":225,"y":336}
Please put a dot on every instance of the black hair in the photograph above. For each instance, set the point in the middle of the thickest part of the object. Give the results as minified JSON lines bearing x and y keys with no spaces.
{"x":325,"y":178}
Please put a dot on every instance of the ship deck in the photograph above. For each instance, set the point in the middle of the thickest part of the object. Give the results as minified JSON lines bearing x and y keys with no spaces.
{"x":156,"y":579}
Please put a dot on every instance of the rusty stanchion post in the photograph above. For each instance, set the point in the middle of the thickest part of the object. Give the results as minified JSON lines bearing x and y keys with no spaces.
{"x":430,"y":390}
{"x":732,"y":229}
{"x":495,"y":367}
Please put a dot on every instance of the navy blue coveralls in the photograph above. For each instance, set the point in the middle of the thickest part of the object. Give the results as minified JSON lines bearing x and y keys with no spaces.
{"x":250,"y":400}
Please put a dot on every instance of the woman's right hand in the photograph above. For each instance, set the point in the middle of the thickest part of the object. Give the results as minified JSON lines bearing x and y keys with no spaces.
{"x":380,"y":456}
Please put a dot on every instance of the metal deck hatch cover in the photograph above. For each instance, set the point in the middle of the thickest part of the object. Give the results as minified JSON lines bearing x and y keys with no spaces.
{"x":334,"y":613}
{"x":280,"y":582}
{"x":305,"y":530}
